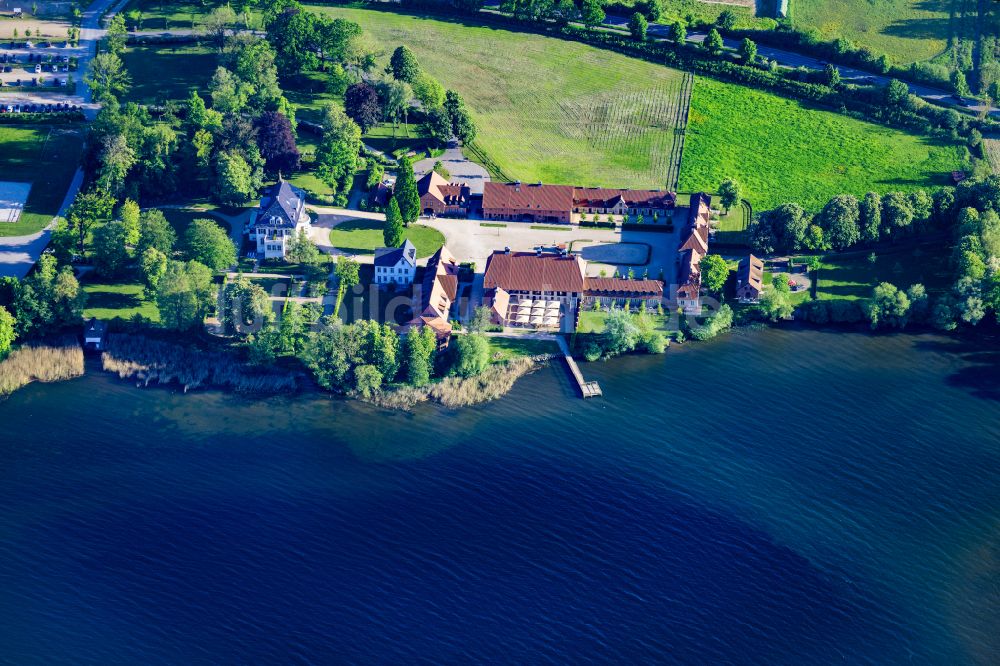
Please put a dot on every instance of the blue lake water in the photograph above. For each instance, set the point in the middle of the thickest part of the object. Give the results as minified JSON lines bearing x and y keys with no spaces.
{"x":779,"y":497}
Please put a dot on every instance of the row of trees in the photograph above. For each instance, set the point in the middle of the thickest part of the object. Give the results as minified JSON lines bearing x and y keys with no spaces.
{"x":845,"y":221}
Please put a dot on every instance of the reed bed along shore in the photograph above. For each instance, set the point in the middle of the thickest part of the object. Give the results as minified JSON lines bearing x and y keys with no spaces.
{"x":150,"y":361}
{"x":453,"y":392}
{"x":41,"y":363}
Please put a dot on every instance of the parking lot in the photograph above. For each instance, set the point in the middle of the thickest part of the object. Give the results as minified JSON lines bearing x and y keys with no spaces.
{"x":38,"y":66}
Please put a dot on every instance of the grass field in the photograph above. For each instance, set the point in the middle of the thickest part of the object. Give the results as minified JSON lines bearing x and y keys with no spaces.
{"x":363,"y":236}
{"x":176,"y":14}
{"x":107,"y":301}
{"x":169,"y":71}
{"x":853,"y":276}
{"x":506,"y":349}
{"x":46,"y":157}
{"x":781,"y":151}
{"x":905,"y":30}
{"x":547,"y":110}
{"x":993,"y":152}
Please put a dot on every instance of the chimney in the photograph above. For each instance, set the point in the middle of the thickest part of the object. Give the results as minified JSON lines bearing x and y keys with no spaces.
{"x":517,"y":186}
{"x":506,"y":250}
{"x":538,"y":251}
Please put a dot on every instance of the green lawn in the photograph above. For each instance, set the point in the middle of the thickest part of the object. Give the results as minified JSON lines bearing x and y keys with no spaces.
{"x":905,"y":30}
{"x":309,"y":92}
{"x":781,"y":151}
{"x":169,"y":71}
{"x":107,"y":301}
{"x":175,"y":14}
{"x":853,"y":276}
{"x":547,"y":110}
{"x":363,"y":236}
{"x":507,"y":349}
{"x":45,"y":156}
{"x":403,"y":137}
{"x":593,"y":322}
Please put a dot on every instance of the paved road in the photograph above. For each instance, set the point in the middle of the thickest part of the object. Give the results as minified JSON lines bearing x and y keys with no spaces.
{"x":19,"y":253}
{"x":469,"y":241}
{"x":462,"y":169}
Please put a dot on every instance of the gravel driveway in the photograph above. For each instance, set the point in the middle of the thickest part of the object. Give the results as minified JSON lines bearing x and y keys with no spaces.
{"x":462,"y":170}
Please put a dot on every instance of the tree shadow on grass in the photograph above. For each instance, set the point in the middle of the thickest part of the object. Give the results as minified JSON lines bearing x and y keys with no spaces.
{"x":927,"y":28}
{"x":109,"y":300}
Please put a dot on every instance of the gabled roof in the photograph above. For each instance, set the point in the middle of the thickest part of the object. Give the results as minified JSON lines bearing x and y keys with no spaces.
{"x":519,"y":196}
{"x":280,"y":205}
{"x":601,"y":197}
{"x":94,"y":328}
{"x":437,"y":292}
{"x":598,"y":286}
{"x":391,"y":256}
{"x":529,"y":271}
{"x":751,"y":272}
{"x":434,"y":185}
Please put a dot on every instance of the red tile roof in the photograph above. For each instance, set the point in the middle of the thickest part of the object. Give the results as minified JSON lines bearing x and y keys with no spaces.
{"x":528,"y":271}
{"x":520,"y":196}
{"x":751,"y":272}
{"x":619,"y":286}
{"x":600,"y":197}
{"x":450,"y":194}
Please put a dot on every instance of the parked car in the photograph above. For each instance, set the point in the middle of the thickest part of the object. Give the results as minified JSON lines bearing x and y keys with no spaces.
{"x":38,"y":69}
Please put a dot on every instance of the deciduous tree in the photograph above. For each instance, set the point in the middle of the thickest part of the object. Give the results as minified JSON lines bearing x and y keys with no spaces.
{"x":110,"y":251}
{"x":637,"y":27}
{"x":713,"y":42}
{"x":276,"y":140}
{"x":840,"y":221}
{"x":184,"y":295}
{"x":362,"y":105}
{"x":156,"y":232}
{"x":472,"y":354}
{"x":107,"y":77}
{"x":729,"y":194}
{"x":714,"y":273}
{"x":403,"y":65}
{"x":209,"y":244}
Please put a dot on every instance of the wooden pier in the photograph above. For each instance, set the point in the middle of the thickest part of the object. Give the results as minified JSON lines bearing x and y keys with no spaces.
{"x":587,"y":389}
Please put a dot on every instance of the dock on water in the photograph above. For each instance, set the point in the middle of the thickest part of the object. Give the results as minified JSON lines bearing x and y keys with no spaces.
{"x":587,"y":389}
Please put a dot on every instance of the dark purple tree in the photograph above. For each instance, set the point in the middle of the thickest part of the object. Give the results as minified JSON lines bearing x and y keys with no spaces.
{"x":362,"y":105}
{"x":277,"y":143}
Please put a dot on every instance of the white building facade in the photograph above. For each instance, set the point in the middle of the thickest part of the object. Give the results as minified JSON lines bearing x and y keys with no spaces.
{"x":396,"y":265}
{"x":279,"y":219}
